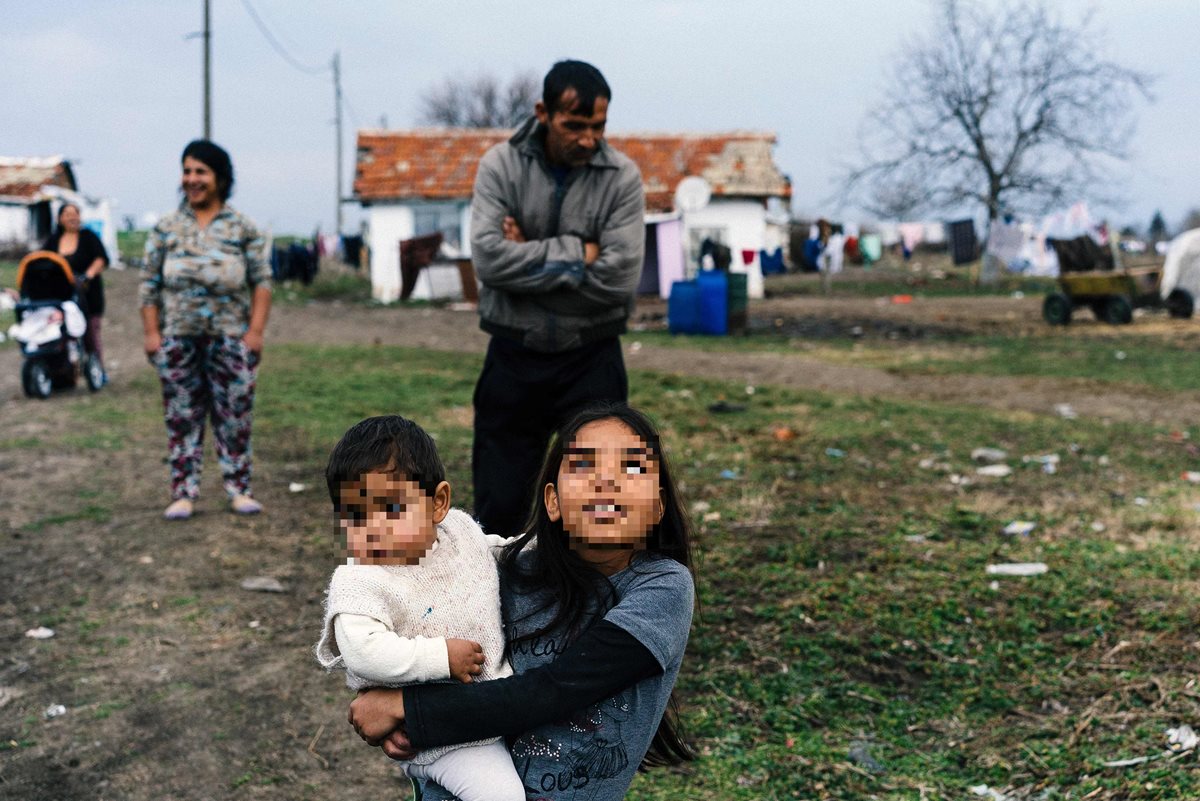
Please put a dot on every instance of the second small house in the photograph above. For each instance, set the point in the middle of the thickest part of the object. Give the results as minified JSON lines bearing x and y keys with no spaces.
{"x":418,"y":182}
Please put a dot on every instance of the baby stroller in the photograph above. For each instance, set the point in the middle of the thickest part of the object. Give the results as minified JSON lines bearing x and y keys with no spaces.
{"x":51,"y":322}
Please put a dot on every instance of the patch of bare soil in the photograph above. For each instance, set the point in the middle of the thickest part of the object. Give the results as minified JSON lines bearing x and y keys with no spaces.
{"x":178,"y":684}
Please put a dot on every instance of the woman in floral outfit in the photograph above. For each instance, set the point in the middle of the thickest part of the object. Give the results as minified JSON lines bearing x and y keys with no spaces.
{"x":205,"y":297}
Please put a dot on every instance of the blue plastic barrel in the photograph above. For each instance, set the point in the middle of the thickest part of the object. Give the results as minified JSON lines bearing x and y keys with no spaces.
{"x":683,"y":308}
{"x":714,"y":301}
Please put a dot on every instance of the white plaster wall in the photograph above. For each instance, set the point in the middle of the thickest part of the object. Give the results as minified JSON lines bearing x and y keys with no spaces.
{"x":388,"y":224}
{"x":14,"y":223}
{"x":745,"y":224}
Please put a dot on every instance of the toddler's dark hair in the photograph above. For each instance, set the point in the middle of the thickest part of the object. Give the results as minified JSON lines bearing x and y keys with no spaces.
{"x":389,"y":443}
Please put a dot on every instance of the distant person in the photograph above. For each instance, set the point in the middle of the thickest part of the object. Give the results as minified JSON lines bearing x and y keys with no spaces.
{"x":419,"y":596}
{"x":84,"y":251}
{"x":205,"y":297}
{"x":557,"y":239}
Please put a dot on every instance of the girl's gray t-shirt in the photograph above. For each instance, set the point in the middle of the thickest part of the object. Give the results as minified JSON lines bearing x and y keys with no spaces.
{"x":594,"y":754}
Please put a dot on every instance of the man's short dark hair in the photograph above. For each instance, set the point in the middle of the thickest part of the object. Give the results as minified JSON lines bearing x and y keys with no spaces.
{"x":389,"y":443}
{"x":585,"y":79}
{"x":216,"y":159}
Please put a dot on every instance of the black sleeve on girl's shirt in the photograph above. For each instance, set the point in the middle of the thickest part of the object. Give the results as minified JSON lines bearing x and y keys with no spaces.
{"x":603,"y":661}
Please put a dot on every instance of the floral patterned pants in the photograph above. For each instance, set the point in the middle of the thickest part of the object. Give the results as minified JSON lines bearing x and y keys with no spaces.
{"x":207,"y":377}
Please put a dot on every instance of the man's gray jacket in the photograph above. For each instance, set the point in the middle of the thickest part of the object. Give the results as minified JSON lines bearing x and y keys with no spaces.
{"x":540,"y":292}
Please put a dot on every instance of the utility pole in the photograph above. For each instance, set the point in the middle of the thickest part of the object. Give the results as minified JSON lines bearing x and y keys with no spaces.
{"x":337,"y":123}
{"x":207,"y":70}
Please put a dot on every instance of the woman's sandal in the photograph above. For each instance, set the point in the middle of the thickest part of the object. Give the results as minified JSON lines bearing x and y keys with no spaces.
{"x":245,"y":505}
{"x":178,"y":510}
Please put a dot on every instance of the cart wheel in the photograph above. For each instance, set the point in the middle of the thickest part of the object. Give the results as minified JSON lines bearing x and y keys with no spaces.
{"x":35,"y":378}
{"x":1181,"y":304}
{"x":1056,"y":309}
{"x":93,"y":372}
{"x":1118,"y":310}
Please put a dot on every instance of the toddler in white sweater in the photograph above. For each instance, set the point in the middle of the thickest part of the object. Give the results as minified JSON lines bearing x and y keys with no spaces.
{"x":418,"y":599}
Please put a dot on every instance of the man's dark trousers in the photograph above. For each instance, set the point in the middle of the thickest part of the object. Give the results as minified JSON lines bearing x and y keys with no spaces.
{"x":521,"y":398}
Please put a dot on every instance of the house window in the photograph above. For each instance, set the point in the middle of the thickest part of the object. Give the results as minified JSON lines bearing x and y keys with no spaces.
{"x":443,"y":218}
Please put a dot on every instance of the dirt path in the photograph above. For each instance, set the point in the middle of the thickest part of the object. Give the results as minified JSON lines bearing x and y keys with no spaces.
{"x":942,"y":318}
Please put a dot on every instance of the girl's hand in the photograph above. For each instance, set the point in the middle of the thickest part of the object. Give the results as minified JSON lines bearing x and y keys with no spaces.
{"x":466,"y":659}
{"x":398,"y":746}
{"x":375,"y":713}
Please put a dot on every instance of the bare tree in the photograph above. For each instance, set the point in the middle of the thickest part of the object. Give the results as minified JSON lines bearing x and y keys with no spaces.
{"x":1011,"y":109}
{"x":481,"y":102}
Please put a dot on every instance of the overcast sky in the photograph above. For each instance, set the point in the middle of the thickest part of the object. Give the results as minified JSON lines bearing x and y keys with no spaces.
{"x":115,"y":85}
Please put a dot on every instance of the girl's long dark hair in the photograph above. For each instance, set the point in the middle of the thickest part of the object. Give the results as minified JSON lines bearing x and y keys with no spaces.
{"x":572,"y":585}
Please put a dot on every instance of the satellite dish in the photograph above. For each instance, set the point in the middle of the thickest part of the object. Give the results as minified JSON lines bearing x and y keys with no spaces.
{"x":692,"y":194}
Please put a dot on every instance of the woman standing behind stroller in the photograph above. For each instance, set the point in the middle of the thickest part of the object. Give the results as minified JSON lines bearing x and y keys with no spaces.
{"x":205,"y":297}
{"x":84,"y":251}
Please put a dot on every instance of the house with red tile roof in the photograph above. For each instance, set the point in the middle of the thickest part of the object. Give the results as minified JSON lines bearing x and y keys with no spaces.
{"x":31,"y":192}
{"x":417,"y":182}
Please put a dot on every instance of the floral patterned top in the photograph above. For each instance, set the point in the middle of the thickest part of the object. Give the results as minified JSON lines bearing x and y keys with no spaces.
{"x":200,"y":279}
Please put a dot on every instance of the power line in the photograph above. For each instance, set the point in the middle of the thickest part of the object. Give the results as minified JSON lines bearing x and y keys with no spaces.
{"x":279,"y":48}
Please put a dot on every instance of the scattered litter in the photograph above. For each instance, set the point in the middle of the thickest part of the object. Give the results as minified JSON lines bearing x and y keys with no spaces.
{"x":296,"y":486}
{"x":1119,"y":355}
{"x":750,"y":389}
{"x":1018,"y":294}
{"x":989,"y":455}
{"x":1020,"y":528}
{"x":8,"y":694}
{"x":711,"y":517}
{"x":1182,"y":739}
{"x":724,"y":407}
{"x":783,"y":434}
{"x":40,"y":633}
{"x":1048,"y":461}
{"x":262,"y":584}
{"x":700,"y":507}
{"x":1125,"y":763}
{"x":860,"y":754}
{"x":729,"y":475}
{"x":915,"y":538}
{"x":994,"y":470}
{"x":253,"y":624}
{"x":634,"y":347}
{"x":1065,"y":411}
{"x":987,"y":792}
{"x":1097,"y":526}
{"x":53,"y":711}
{"x":835,"y":453}
{"x":856,"y":331}
{"x":994,"y":585}
{"x":901,"y":300}
{"x":1102,"y":460}
{"x":959,"y":481}
{"x":1140,"y":501}
{"x":145,"y":560}
{"x":1017,"y":569}
{"x":1192,"y":475}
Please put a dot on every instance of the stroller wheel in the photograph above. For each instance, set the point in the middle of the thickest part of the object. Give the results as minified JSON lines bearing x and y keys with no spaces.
{"x":93,"y":372}
{"x":35,"y":377}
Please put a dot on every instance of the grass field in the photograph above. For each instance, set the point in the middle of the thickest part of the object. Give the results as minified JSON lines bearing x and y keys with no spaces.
{"x":844,"y":605}
{"x":849,"y":642}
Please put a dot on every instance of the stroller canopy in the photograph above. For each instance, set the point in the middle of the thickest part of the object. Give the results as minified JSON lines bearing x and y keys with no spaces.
{"x":45,"y":275}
